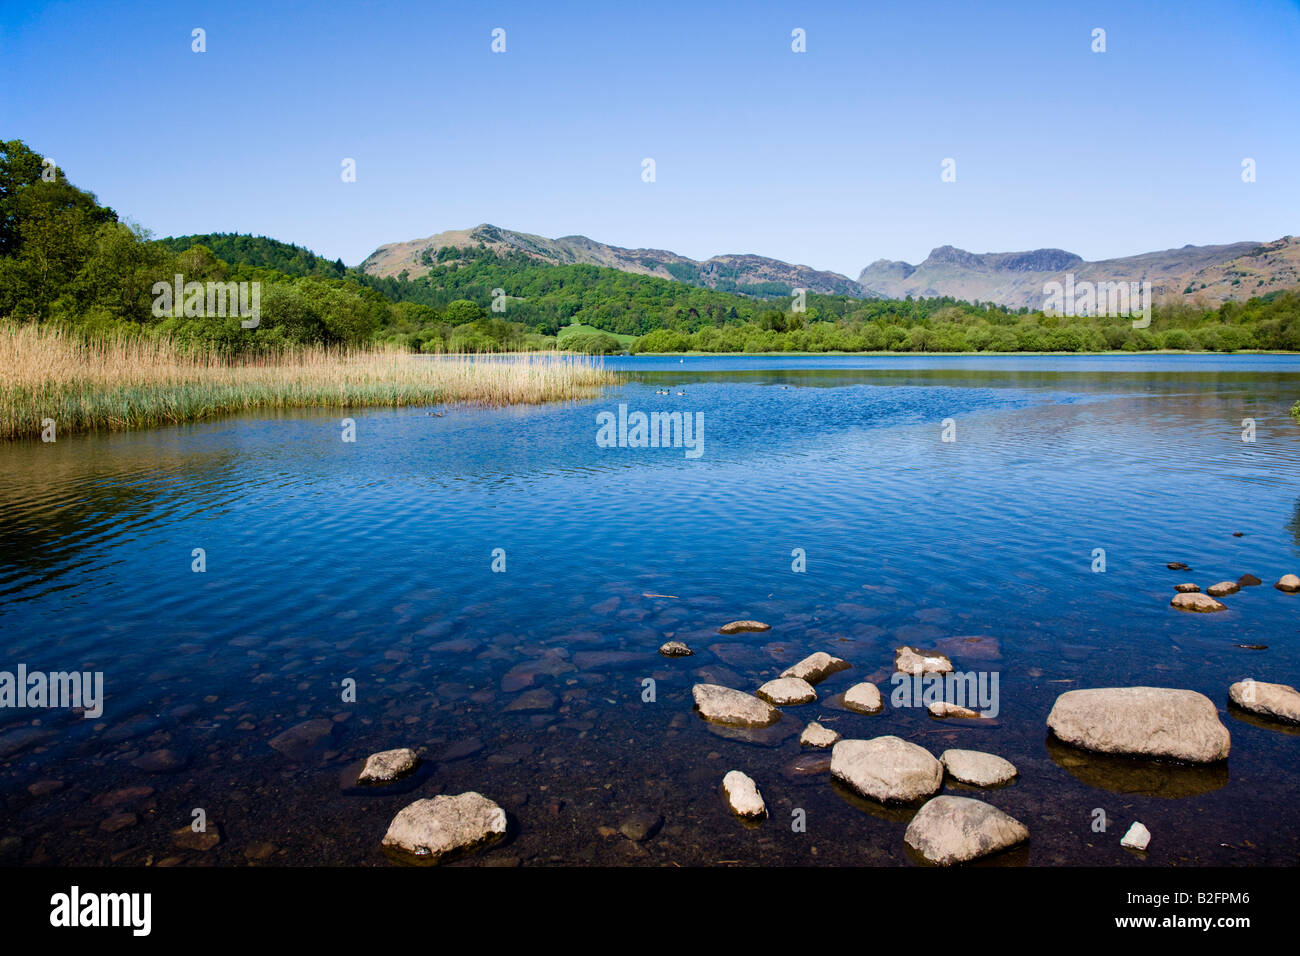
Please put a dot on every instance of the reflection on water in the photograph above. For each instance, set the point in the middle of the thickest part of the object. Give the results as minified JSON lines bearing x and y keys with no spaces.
{"x":372,"y":561}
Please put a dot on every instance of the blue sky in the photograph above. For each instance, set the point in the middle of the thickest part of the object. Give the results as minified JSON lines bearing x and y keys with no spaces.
{"x":830,"y":158}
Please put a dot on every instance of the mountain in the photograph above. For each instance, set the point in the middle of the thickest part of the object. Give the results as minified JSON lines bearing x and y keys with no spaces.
{"x":746,"y":274}
{"x":1199,"y":275}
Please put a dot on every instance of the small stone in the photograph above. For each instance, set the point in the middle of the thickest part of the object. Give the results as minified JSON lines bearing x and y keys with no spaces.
{"x":942,"y":709}
{"x":1187,"y":588}
{"x":743,"y":796}
{"x":739,"y":627}
{"x":119,"y":821}
{"x":259,"y":851}
{"x":1223,"y":589}
{"x":204,"y":840}
{"x":539,"y":699}
{"x":1137,"y":838}
{"x":733,"y":708}
{"x":43,"y":787}
{"x":864,"y":698}
{"x":977,"y":768}
{"x":1275,"y":701}
{"x":388,"y":765}
{"x":816,"y":667}
{"x":640,"y":827}
{"x":299,"y":741}
{"x":1197,"y":602}
{"x":675,"y":649}
{"x":1249,"y":581}
{"x":430,"y":831}
{"x":1289,"y":583}
{"x":787,"y":691}
{"x":1177,"y":566}
{"x":815,"y":735}
{"x":159,"y":761}
{"x":888,"y":769}
{"x":461,"y":749}
{"x":950,"y":830}
{"x":909,"y":660}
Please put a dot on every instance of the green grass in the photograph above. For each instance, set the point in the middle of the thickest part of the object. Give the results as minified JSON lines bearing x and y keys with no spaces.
{"x":568,"y":330}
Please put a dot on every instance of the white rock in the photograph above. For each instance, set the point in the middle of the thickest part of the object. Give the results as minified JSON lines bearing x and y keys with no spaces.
{"x":437,"y":829}
{"x":740,"y":627}
{"x":950,"y":830}
{"x":734,"y":708}
{"x":977,"y":768}
{"x":886,"y":769}
{"x":864,"y":698}
{"x":1289,"y":583}
{"x":1197,"y":602}
{"x":815,"y":735}
{"x":816,"y":667}
{"x":1223,"y":589}
{"x":1278,"y":701}
{"x":909,"y":660}
{"x":1137,"y":837}
{"x":742,"y":793}
{"x":787,"y":691}
{"x":388,"y":765}
{"x":1141,"y":722}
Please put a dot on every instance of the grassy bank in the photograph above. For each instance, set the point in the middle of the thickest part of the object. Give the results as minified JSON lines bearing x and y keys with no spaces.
{"x":124,"y":383}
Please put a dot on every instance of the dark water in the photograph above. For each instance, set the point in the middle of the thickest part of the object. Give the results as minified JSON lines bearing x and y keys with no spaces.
{"x":372,"y":561}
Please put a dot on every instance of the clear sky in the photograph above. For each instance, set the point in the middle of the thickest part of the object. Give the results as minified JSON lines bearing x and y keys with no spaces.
{"x":831,"y":158}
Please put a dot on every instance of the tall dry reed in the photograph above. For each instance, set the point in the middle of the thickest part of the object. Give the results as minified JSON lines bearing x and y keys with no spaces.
{"x":136,"y":382}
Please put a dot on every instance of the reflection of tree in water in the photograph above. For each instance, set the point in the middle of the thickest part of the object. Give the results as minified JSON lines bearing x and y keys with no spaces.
{"x":1294,"y":524}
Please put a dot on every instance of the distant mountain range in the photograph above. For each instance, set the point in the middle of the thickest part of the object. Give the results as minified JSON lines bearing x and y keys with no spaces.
{"x":1205,"y":275}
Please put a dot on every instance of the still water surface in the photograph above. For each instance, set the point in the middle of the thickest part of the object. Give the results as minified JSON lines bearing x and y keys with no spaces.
{"x":372,"y":560}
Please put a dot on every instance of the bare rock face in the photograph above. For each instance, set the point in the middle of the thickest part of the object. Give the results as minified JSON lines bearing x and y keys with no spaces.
{"x":1274,"y":701}
{"x":977,"y":768}
{"x":742,"y":793}
{"x":1223,"y":589}
{"x":816,"y":667}
{"x":909,"y":660}
{"x":864,"y":698}
{"x":388,"y":765}
{"x":733,"y":708}
{"x":950,"y":830}
{"x":740,"y":627}
{"x":1289,"y":583}
{"x":675,"y":649}
{"x":1197,"y":602}
{"x":815,"y":735}
{"x":786,"y":691}
{"x":1186,"y":588}
{"x":1141,"y":722}
{"x":442,"y":828}
{"x":888,"y":769}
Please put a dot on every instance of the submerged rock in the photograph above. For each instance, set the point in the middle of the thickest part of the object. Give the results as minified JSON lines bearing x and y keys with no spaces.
{"x":1177,"y":566}
{"x":540,"y":699}
{"x":434,"y":830}
{"x":1141,"y":722}
{"x":1137,"y":838}
{"x":1289,"y":583}
{"x":816,"y":667}
{"x":909,"y":660}
{"x":1197,"y":602}
{"x":815,"y":735}
{"x":950,"y":830}
{"x":299,"y":741}
{"x":887,"y":769}
{"x":388,"y":765}
{"x":743,"y":796}
{"x":864,"y":698}
{"x":787,"y":691}
{"x":1276,"y":701}
{"x":943,"y":709}
{"x":977,"y":768}
{"x":734,"y":708}
{"x":675,"y":649}
{"x":1223,"y":589}
{"x":641,"y":826}
{"x":1249,"y":581}
{"x":739,"y":627}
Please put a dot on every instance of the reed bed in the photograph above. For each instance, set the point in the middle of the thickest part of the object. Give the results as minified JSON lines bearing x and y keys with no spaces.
{"x":125,"y":383}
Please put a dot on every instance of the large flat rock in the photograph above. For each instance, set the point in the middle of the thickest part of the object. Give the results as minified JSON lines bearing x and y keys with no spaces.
{"x":1275,"y":701}
{"x":434,"y":830}
{"x":950,"y":830}
{"x":733,"y":708}
{"x":887,"y":769}
{"x":1141,"y":722}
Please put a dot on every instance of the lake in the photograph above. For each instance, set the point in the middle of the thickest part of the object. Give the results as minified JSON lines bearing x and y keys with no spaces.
{"x":327,"y":562}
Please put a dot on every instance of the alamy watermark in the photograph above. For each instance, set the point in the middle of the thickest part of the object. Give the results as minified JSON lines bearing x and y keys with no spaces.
{"x":1115,"y":299}
{"x":25,"y":688}
{"x":655,"y":430}
{"x":975,"y":690}
{"x":209,"y":300}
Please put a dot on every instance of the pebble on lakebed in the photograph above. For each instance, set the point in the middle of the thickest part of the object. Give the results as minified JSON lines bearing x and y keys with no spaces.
{"x":815,"y":735}
{"x":734,"y":708}
{"x":388,"y":765}
{"x":787,"y":691}
{"x":948,"y":830}
{"x":675,"y":649}
{"x":1141,"y":722}
{"x":743,"y":796}
{"x":1275,"y":701}
{"x":740,"y":627}
{"x":433,"y":830}
{"x":1138,"y":837}
{"x":1197,"y":602}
